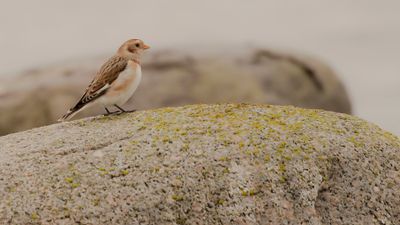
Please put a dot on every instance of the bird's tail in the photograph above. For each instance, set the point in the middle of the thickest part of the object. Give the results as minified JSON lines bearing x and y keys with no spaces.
{"x":84,"y":102}
{"x":71,"y":113}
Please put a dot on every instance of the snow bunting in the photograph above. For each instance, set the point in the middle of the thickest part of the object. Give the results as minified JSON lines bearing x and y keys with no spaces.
{"x":115,"y":82}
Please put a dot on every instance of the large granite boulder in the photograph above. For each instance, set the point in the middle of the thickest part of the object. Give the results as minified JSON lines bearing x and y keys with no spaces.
{"x":172,"y":78}
{"x":203,"y":164}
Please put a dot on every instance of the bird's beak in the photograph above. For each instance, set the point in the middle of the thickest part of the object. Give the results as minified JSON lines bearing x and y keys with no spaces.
{"x":146,"y":46}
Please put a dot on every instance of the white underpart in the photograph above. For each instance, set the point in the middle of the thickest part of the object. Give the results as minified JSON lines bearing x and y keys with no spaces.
{"x":130,"y":75}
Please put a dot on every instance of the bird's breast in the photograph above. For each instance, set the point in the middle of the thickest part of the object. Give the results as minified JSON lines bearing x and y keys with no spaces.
{"x":127,"y":82}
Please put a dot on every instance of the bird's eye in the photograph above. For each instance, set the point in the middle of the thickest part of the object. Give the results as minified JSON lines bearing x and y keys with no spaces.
{"x":137,"y":45}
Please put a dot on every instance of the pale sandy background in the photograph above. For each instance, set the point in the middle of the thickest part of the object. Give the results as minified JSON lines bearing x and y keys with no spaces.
{"x":361,"y":39}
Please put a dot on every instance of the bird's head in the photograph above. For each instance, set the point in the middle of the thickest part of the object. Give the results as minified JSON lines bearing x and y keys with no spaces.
{"x":132,"y":48}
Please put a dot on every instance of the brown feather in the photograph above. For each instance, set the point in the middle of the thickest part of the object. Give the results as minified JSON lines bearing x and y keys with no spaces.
{"x":107,"y":74}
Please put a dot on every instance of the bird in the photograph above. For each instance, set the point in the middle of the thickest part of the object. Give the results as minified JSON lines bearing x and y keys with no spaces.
{"x":115,"y":82}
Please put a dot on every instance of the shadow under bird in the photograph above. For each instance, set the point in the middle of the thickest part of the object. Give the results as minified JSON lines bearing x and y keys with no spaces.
{"x":115,"y":82}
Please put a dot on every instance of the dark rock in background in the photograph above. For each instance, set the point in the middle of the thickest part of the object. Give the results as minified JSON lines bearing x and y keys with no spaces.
{"x":171,"y":78}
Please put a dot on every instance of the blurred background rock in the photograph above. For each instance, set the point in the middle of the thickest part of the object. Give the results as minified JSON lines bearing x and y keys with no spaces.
{"x":40,"y":97}
{"x":359,"y":40}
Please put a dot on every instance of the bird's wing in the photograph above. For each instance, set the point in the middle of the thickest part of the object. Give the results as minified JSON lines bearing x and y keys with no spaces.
{"x":107,"y":74}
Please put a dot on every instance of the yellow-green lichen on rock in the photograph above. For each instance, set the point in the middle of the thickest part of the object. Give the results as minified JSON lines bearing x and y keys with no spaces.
{"x":227,"y":163}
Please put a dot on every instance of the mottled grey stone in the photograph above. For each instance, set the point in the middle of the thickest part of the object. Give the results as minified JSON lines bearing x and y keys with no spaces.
{"x":203,"y":164}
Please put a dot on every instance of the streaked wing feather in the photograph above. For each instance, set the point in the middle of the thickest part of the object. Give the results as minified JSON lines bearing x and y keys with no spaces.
{"x":107,"y":74}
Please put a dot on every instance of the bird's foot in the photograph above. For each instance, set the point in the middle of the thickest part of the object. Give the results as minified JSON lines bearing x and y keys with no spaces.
{"x":131,"y":111}
{"x":109,"y":113}
{"x":123,"y":110}
{"x":112,"y":113}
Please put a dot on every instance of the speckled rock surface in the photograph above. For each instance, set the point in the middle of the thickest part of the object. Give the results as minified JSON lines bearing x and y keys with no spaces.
{"x":172,"y":78}
{"x":203,"y":164}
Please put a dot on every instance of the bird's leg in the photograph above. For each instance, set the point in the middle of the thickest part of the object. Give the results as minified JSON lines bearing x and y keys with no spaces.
{"x":108,"y":112}
{"x":123,"y":110}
